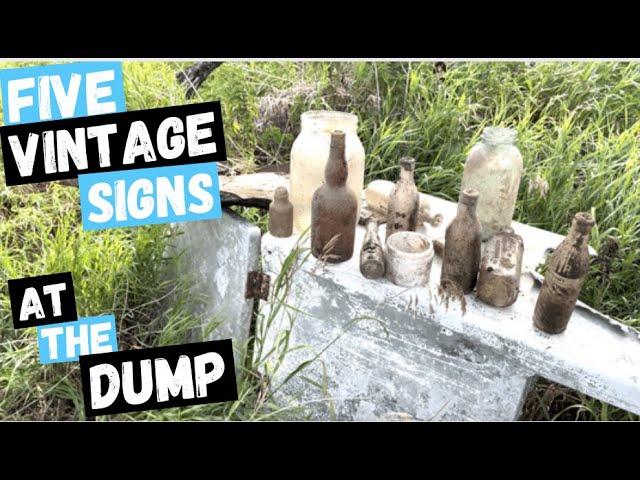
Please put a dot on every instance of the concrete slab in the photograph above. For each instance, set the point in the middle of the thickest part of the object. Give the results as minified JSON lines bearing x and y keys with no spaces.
{"x":410,"y":351}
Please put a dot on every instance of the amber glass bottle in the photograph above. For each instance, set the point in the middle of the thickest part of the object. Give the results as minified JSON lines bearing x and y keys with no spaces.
{"x":334,"y":208}
{"x":566,"y":271}
{"x":462,"y":243}
{"x":281,"y":214}
{"x":402,"y":210}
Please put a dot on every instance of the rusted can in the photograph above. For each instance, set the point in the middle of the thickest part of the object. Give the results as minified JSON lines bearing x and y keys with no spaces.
{"x":499,"y":278}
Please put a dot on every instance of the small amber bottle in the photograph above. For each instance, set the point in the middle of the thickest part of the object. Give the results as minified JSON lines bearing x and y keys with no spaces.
{"x":281,"y":214}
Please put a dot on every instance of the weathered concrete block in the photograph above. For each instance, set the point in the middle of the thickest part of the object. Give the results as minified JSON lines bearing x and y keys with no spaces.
{"x":384,"y":349}
{"x":217,"y":255}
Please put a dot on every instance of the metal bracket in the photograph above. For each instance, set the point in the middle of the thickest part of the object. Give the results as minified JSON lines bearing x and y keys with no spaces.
{"x":257,"y":285}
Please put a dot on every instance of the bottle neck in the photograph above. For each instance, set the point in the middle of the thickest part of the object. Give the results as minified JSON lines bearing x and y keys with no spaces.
{"x":407,"y":175}
{"x":578,"y":237}
{"x":371,"y":228}
{"x":335,"y":173}
{"x":466,"y":210}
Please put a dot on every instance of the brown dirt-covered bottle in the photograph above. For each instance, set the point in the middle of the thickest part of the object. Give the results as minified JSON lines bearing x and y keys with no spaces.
{"x":462,"y":244}
{"x":566,"y":272}
{"x":404,"y":202}
{"x":334,"y":208}
{"x":281,"y":214}
{"x":372,"y":255}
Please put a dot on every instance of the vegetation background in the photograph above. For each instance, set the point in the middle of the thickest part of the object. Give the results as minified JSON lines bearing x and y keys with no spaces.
{"x":578,"y":126}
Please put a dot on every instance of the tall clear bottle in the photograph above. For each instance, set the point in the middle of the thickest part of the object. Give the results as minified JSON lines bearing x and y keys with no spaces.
{"x":462,"y":245}
{"x":309,"y":155}
{"x":566,"y":272}
{"x":404,"y":201}
{"x":334,"y":208}
{"x":494,"y":168}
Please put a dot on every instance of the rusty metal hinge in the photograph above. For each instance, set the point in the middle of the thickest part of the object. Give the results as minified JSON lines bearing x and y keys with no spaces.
{"x":257,"y":286}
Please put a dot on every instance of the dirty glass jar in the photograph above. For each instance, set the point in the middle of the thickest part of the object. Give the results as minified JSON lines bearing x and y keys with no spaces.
{"x":494,"y":168}
{"x":309,"y":156}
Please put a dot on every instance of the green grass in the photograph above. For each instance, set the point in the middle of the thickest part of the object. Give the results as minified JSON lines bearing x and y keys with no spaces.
{"x":578,"y":126}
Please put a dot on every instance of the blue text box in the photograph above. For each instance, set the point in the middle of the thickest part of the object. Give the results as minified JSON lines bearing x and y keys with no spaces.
{"x":97,"y":88}
{"x":180,"y":193}
{"x":65,"y":342}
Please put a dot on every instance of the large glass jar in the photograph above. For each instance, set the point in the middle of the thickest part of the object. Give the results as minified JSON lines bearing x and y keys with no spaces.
{"x":309,"y":156}
{"x":494,"y":168}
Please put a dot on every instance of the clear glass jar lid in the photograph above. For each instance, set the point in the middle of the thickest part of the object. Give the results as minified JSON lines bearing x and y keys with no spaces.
{"x":498,"y":136}
{"x":329,"y":120}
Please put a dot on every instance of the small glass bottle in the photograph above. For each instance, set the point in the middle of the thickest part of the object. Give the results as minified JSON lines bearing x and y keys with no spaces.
{"x":462,"y":244}
{"x":372,"y":254}
{"x":281,"y":214}
{"x":334,"y":208}
{"x":494,"y":168}
{"x":404,"y":201}
{"x":566,"y":272}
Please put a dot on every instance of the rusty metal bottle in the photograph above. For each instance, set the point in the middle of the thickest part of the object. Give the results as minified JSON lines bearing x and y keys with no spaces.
{"x":334,"y":208}
{"x":462,"y":244}
{"x":372,"y":255}
{"x":404,"y":201}
{"x":281,"y":214}
{"x":566,"y":271}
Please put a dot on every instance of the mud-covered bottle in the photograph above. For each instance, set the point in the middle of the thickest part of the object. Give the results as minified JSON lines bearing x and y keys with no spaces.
{"x":372,"y":255}
{"x":404,"y":201}
{"x":281,"y":214}
{"x":567,"y":270}
{"x":334,"y":208}
{"x":462,"y":244}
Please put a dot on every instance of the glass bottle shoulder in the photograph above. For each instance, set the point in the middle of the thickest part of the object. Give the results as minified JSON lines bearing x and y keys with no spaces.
{"x":483,"y":156}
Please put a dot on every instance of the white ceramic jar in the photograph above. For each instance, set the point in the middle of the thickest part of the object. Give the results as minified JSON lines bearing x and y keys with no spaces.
{"x":494,"y":168}
{"x":408,"y":258}
{"x":309,"y":156}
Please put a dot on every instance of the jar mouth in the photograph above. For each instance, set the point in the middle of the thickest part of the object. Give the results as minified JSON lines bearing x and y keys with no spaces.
{"x":411,"y":243}
{"x":329,"y":120}
{"x":498,"y":136}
